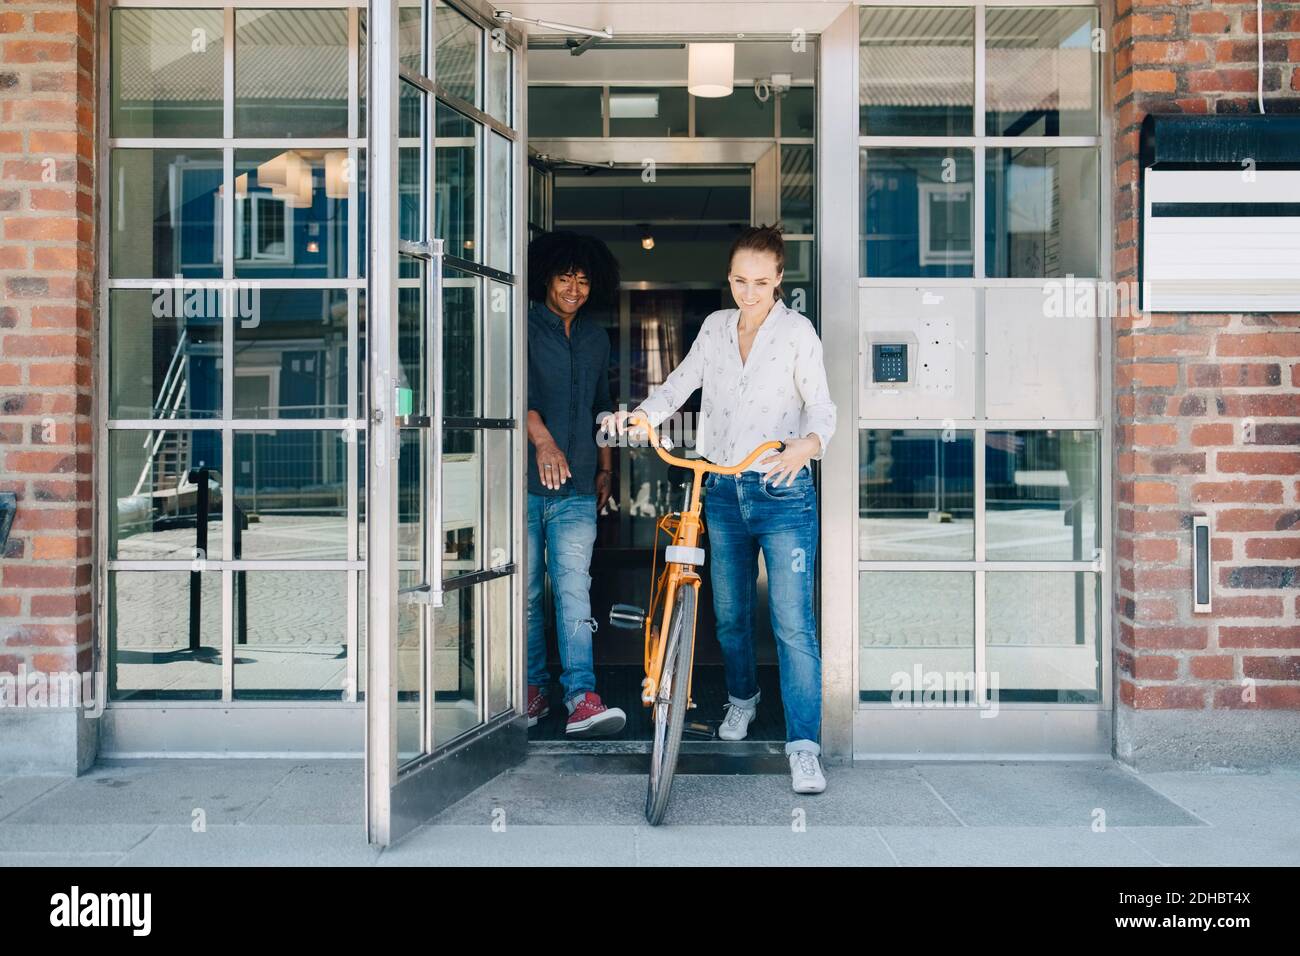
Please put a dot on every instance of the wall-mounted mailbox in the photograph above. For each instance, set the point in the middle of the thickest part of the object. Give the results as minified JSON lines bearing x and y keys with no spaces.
{"x":1201,"y":565}
{"x":1220,"y":214}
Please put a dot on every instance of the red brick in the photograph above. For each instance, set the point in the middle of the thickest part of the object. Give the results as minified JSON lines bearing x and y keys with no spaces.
{"x":1169,"y":697}
{"x":1271,"y":668}
{"x":1264,"y":492}
{"x":1219,"y":667}
{"x":1259,"y":636}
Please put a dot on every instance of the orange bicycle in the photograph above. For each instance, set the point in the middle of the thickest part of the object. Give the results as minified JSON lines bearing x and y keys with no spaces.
{"x":670,"y":624}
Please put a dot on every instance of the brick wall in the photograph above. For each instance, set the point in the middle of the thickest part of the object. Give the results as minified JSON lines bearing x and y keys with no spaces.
{"x":1207,"y":413}
{"x":47,"y":154}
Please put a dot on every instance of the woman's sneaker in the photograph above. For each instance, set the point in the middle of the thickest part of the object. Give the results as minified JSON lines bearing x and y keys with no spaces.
{"x":735,"y":725}
{"x":806,"y":772}
{"x":590,"y":718}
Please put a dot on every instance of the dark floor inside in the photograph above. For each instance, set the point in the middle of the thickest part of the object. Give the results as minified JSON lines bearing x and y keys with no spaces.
{"x":619,"y":685}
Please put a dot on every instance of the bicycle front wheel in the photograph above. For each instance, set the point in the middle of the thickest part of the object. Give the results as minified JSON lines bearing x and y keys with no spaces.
{"x":670,"y":704}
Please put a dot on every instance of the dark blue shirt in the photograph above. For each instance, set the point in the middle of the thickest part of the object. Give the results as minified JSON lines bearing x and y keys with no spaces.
{"x":568,"y":385}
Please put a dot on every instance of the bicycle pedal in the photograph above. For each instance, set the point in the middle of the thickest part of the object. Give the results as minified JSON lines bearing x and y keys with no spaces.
{"x":627,"y":617}
{"x":699,"y":731}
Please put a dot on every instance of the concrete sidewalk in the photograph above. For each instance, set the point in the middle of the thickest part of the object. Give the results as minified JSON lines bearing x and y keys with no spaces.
{"x":269,"y":812}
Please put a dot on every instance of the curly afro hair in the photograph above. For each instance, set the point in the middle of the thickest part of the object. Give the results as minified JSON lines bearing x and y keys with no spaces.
{"x":559,"y":253}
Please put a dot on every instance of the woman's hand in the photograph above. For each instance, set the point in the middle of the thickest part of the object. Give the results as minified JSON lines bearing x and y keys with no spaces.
{"x":616,"y":424}
{"x":798,"y":452}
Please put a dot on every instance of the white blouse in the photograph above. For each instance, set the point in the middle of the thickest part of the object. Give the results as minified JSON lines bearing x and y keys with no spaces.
{"x":780,"y":392}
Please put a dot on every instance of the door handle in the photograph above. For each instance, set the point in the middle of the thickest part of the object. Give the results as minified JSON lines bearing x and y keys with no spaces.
{"x":434,"y":402}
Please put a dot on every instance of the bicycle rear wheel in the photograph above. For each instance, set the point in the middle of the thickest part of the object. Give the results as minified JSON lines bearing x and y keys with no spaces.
{"x":670,"y":704}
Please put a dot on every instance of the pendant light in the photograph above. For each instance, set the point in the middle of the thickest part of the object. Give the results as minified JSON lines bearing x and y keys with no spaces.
{"x":710,"y":69}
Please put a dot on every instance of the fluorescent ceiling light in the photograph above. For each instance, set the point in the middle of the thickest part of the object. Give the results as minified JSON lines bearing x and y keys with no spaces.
{"x":633,"y":105}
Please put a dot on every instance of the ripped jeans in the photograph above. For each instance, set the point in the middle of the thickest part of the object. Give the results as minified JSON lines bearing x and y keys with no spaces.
{"x":564,"y":527}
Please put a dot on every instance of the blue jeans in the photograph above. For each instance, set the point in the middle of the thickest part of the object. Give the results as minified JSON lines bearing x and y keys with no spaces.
{"x":742,"y":515}
{"x":564,"y":527}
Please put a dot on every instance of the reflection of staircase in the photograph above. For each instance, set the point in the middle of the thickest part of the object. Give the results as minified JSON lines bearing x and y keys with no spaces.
{"x":167,"y":453}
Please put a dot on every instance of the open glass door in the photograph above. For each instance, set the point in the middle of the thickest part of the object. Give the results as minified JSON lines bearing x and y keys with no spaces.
{"x":444,"y":605}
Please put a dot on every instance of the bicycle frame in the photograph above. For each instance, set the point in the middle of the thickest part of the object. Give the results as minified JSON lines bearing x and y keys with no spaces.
{"x":685,"y":529}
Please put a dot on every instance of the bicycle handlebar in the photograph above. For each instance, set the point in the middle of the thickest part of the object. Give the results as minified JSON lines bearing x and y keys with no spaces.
{"x":699,"y":464}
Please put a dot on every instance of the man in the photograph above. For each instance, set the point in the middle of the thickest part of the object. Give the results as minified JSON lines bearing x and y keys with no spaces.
{"x":569,"y":477}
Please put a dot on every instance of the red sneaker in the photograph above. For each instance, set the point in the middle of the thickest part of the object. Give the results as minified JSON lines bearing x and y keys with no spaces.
{"x":591,"y":718}
{"x":538,"y":707}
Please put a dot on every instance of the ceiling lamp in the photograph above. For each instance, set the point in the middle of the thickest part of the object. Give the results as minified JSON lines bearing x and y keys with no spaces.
{"x":647,"y":240}
{"x":710,"y":69}
{"x":336,"y":179}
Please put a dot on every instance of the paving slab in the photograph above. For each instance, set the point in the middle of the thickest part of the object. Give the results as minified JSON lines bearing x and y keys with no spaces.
{"x":1013,"y":846}
{"x":1218,"y":846}
{"x":316,"y":793}
{"x":16,"y":792}
{"x":516,"y":845}
{"x":761,"y":846}
{"x":241,"y":845}
{"x":1236,"y":799}
{"x":160,"y":792}
{"x":1057,"y":793}
{"x":72,"y":837}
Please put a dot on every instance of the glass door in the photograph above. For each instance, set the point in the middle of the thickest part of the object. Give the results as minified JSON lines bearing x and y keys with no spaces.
{"x":444,"y":502}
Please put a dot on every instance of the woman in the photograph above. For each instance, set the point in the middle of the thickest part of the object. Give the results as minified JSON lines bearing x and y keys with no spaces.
{"x":760,"y":365}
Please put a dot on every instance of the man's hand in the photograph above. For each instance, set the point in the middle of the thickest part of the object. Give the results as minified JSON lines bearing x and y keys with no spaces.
{"x":552,"y":466}
{"x":798,"y":452}
{"x":604,"y":488}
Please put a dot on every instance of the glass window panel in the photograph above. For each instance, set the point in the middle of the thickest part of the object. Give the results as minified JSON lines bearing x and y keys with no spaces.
{"x":916,"y":495}
{"x":500,"y":189}
{"x":164,"y":352}
{"x":498,"y":388}
{"x":456,"y":193}
{"x":412,"y":353}
{"x":462,"y":491}
{"x":499,"y":76}
{"x":291,"y":213}
{"x":1041,"y":216}
{"x":165,"y":213}
{"x":455,"y":655}
{"x":291,"y":73}
{"x":415,"y":455}
{"x":411,"y":35}
{"x":291,"y":495}
{"x":410,"y":674}
{"x":917,"y":71}
{"x":167,"y":72}
{"x":798,"y":112}
{"x":460,"y":344}
{"x":157,"y":507}
{"x":412,"y":162}
{"x":497,"y":465}
{"x":291,"y":637}
{"x":741,"y":114}
{"x":564,"y":111}
{"x":799,"y":281}
{"x":917,"y":212}
{"x":1044,"y":639}
{"x":500,"y":623}
{"x":1041,"y":495}
{"x":459,"y":45}
{"x":650,"y":111}
{"x":1041,"y":71}
{"x":913,"y":625}
{"x":291,"y":355}
{"x":798,"y":175}
{"x":164,"y":634}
